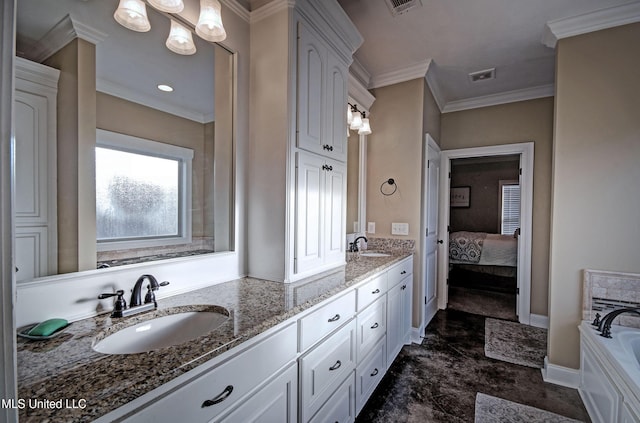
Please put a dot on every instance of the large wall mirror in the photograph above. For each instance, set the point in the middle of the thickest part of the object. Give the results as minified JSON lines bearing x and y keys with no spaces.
{"x":121,"y":172}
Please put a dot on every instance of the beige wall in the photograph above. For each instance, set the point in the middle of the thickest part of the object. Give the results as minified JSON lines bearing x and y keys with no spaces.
{"x":431,"y":114}
{"x":506,"y":124}
{"x":394,"y":150}
{"x":596,"y":173}
{"x":353,"y":168}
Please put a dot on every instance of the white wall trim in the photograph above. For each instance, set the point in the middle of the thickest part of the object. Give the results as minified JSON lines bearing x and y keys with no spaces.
{"x":435,"y":89}
{"x":417,"y":335}
{"x":269,"y":9}
{"x":418,"y":70}
{"x":558,"y":375}
{"x":589,"y":22}
{"x":500,"y":98}
{"x":539,"y":321}
{"x":526,"y":152}
{"x":35,"y":72}
{"x":359,"y":94}
{"x":361,"y":74}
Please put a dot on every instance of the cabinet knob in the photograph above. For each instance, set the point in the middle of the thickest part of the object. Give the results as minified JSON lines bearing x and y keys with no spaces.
{"x":377,"y":291}
{"x":327,"y":167}
{"x":403,"y":272}
{"x":375,"y":372}
{"x":336,"y":366}
{"x":404,"y":287}
{"x":219,"y":398}
{"x":334,"y":318}
{"x":440,"y":241}
{"x":375,"y":325}
{"x":327,"y":147}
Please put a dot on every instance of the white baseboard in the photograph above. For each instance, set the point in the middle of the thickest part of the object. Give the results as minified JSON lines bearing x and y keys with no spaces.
{"x":558,"y":375}
{"x":539,"y":321}
{"x":417,"y":335}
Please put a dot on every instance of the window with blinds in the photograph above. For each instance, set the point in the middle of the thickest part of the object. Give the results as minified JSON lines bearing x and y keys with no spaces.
{"x":509,"y":207}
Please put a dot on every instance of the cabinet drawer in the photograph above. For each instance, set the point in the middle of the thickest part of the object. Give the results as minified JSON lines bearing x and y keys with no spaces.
{"x":216,"y":390}
{"x":400,"y":271}
{"x":372,"y":325}
{"x":340,"y":407}
{"x":371,"y":291}
{"x":325,"y":367}
{"x":326,"y":319}
{"x":369,"y":373}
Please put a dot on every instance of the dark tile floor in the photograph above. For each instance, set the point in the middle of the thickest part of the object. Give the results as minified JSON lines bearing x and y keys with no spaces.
{"x":438,"y":380}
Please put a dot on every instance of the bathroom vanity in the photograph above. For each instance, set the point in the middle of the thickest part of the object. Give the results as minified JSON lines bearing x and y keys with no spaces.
{"x":287,"y":352}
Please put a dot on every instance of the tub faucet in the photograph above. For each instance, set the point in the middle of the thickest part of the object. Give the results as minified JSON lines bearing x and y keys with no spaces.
{"x":353,"y":247}
{"x":605,"y":324}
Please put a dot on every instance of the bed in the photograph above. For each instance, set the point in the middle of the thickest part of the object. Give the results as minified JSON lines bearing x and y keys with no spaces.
{"x":483,"y":252}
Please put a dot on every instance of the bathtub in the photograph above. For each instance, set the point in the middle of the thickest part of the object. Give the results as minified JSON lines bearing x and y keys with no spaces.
{"x":610,"y":374}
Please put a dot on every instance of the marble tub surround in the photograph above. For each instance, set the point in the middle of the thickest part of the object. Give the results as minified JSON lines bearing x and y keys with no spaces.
{"x":607,"y":291}
{"x":68,"y":368}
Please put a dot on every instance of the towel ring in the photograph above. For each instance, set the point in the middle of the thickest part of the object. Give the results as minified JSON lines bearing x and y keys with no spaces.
{"x":389,"y":181}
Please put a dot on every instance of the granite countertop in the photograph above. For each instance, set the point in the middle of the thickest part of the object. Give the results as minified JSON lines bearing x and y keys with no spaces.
{"x":68,"y":370}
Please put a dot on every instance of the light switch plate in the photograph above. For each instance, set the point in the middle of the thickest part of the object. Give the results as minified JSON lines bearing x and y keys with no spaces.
{"x":371,"y":227}
{"x":399,"y":229}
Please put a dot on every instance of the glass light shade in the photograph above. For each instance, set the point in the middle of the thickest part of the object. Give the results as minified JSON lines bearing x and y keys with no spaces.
{"x":169,"y":6}
{"x":349,"y":115}
{"x":356,"y":123}
{"x":132,"y":14}
{"x":180,"y":40}
{"x":366,"y":128}
{"x":209,"y":26}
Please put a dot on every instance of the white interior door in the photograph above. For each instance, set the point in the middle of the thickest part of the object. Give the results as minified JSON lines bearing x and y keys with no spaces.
{"x":431,"y":242}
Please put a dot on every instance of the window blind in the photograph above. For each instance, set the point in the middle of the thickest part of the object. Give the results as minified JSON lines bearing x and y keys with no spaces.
{"x":510,"y":209}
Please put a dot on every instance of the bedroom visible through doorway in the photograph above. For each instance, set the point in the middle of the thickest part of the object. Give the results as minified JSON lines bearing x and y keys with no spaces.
{"x":484,"y":218}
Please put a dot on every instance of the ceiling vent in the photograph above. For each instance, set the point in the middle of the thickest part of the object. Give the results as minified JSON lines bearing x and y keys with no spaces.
{"x":483,"y":75}
{"x":398,"y":7}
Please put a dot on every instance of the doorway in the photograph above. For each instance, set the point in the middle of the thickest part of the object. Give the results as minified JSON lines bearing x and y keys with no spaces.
{"x":523,"y":153}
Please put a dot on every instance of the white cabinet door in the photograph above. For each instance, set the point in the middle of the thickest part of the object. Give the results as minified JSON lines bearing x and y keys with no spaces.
{"x":276,"y":402}
{"x":310,"y":182}
{"x":320,"y":212}
{"x":407,"y":308}
{"x":335,"y":212}
{"x":394,"y":322}
{"x":312,"y":57}
{"x":340,"y":407}
{"x":335,"y":142}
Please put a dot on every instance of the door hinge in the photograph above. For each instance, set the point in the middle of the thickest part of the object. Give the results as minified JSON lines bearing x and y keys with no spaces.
{"x":428,"y":164}
{"x":425,"y":300}
{"x":517,"y":291}
{"x":520,"y":171}
{"x":449,"y":175}
{"x":448,"y":228}
{"x":426,"y":232}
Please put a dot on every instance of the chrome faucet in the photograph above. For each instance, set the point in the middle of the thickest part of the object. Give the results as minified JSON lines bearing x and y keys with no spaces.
{"x":604,"y":325}
{"x":353,"y":247}
{"x":135,"y":304}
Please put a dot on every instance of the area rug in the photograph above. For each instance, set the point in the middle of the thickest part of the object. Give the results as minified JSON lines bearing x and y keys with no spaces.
{"x":497,"y":410}
{"x":515,"y":343}
{"x":483,"y":303}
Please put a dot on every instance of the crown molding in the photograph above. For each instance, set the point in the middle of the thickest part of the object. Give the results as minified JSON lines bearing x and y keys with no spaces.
{"x":589,"y":22}
{"x":32,"y":71}
{"x":269,"y":9}
{"x":500,"y":98}
{"x":65,"y":31}
{"x":238,"y":9}
{"x":418,"y":70}
{"x":359,"y":72}
{"x":359,"y":94}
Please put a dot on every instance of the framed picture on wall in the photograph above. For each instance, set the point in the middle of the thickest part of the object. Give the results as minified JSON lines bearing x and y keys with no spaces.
{"x":460,"y":196}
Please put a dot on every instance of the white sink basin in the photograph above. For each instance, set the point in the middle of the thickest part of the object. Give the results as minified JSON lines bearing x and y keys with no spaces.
{"x":161,"y":332}
{"x":373,"y":254}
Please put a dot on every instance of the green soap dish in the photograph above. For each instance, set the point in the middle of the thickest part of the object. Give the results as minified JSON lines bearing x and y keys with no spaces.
{"x":44,"y":330}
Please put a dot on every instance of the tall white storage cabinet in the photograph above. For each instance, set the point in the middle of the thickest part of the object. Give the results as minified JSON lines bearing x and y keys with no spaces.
{"x":36,"y":88}
{"x":300,"y":55}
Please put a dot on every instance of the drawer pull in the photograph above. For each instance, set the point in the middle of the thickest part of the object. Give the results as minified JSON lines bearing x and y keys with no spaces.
{"x":377,"y":291}
{"x":403,"y":272}
{"x":336,"y":366}
{"x":375,"y":372}
{"x":404,"y":287}
{"x":334,"y":318}
{"x":375,"y":325}
{"x":223,"y":396}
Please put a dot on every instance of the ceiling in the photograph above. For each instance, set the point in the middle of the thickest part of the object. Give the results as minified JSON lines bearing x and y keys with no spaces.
{"x":452,"y":38}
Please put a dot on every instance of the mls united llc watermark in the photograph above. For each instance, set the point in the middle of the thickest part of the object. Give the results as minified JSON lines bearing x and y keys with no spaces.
{"x":38,"y":403}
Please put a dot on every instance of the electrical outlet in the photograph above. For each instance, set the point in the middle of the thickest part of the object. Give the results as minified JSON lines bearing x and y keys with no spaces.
{"x":399,"y":229}
{"x":371,"y":227}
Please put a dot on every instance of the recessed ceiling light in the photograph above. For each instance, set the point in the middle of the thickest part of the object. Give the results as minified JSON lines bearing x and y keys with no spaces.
{"x":165,"y":88}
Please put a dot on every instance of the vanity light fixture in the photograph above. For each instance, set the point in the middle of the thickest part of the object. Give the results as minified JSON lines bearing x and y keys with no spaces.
{"x":132,"y":14}
{"x":209,"y":26}
{"x":365,"y":129}
{"x":180,"y":40}
{"x":169,"y":6}
{"x":356,"y":121}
